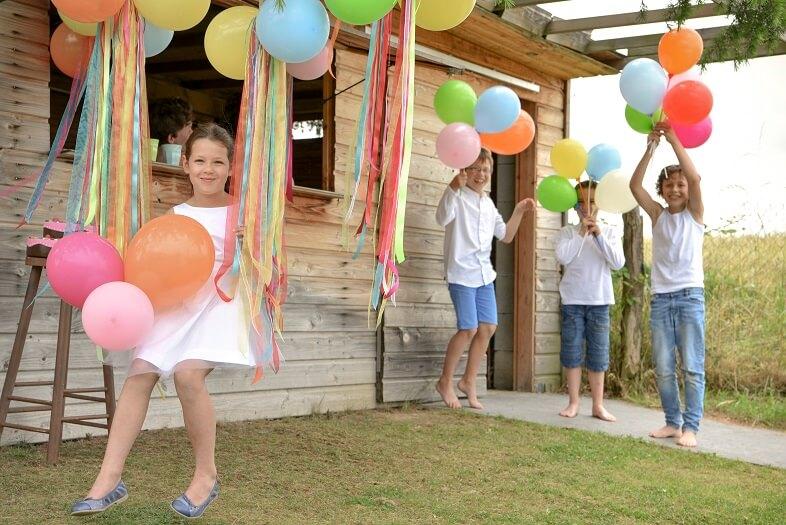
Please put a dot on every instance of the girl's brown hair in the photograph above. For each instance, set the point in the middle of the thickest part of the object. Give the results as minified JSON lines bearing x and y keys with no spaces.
{"x":664,"y":174}
{"x":212,"y":132}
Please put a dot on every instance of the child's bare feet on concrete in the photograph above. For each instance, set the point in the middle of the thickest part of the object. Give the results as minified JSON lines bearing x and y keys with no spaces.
{"x":472,"y":396}
{"x":570,"y":411}
{"x":601,"y":413}
{"x":666,"y":432}
{"x":445,"y":389}
{"x":688,"y":439}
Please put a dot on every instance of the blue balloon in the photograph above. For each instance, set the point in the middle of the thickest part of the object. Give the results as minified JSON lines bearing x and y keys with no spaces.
{"x":156,"y":39}
{"x":497,"y":109}
{"x":296,"y":33}
{"x":643,"y":85}
{"x":601,"y":159}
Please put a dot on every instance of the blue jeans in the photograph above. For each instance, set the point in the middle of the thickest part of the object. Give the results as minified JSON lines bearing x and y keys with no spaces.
{"x":582,"y":323}
{"x":677,"y":324}
{"x":473,"y":305}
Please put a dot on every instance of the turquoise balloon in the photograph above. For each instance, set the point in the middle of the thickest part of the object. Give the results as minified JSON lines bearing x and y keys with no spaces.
{"x":601,"y":159}
{"x":497,"y":109}
{"x":156,"y":39}
{"x":643,"y":85}
{"x":359,"y":12}
{"x":455,"y":102}
{"x":296,"y":33}
{"x":556,"y":193}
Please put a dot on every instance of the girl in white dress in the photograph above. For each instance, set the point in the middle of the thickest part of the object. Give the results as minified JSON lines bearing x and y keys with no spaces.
{"x":186,"y":343}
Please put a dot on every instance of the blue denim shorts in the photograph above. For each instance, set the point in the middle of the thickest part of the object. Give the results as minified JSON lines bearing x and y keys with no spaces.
{"x":473,"y":305}
{"x":580,"y":324}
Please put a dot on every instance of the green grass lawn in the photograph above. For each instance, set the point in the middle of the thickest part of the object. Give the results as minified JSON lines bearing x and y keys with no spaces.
{"x":757,"y":409}
{"x":405,"y":466}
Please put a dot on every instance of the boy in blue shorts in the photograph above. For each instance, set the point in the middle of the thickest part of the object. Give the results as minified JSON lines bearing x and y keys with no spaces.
{"x":471,"y":222}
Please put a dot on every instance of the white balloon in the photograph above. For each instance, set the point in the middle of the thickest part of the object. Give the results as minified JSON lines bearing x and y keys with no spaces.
{"x":613,"y":194}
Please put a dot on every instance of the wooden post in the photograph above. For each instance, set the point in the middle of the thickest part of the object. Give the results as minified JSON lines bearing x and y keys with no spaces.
{"x":524,"y":264}
{"x":61,"y":378}
{"x":632,"y":295}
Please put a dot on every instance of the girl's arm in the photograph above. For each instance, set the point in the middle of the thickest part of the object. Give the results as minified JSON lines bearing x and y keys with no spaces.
{"x":688,"y":169}
{"x":512,"y":226}
{"x":641,"y":195}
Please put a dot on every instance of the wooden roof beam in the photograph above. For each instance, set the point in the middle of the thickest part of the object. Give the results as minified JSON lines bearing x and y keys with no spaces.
{"x":633,"y":42}
{"x":627,"y":19}
{"x":527,"y":3}
{"x":763,"y":51}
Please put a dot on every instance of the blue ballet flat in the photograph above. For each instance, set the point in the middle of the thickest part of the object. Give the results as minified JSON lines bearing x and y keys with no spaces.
{"x":94,"y":506}
{"x":184,"y":507}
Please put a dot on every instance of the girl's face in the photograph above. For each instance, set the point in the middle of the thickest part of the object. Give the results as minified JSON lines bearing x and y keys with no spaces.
{"x":675,"y":190}
{"x":207,"y":167}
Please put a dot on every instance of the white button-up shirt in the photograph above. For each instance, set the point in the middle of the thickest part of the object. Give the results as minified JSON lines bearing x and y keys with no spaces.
{"x":471,"y":221}
{"x":588,"y":262}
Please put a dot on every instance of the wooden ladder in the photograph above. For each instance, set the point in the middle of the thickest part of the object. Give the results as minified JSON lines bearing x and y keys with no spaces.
{"x":60,"y":391}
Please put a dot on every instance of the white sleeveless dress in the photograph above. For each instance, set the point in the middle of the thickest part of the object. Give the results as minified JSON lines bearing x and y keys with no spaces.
{"x":206,"y":332}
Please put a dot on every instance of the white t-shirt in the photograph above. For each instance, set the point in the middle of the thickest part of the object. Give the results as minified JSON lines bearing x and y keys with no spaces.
{"x":677,"y":241}
{"x":588,"y":261}
{"x":471,"y":222}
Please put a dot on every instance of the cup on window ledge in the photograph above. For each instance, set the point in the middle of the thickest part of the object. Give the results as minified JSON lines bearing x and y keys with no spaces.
{"x":153,"y":149}
{"x":170,"y":153}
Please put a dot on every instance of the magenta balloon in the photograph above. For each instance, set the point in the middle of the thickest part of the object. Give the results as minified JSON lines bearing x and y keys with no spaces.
{"x":117,"y":316}
{"x":313,"y":68}
{"x":458,"y":145}
{"x":693,"y":135}
{"x":81,"y":262}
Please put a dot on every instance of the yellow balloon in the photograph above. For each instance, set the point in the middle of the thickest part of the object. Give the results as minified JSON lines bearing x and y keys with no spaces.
{"x":176,"y":15}
{"x":439,"y":15}
{"x":226,"y":40}
{"x":569,"y":158}
{"x":83,"y":28}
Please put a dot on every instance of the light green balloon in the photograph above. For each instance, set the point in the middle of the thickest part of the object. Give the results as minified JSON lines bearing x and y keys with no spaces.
{"x":556,"y":193}
{"x":641,"y":122}
{"x":360,"y":12}
{"x":455,"y":102}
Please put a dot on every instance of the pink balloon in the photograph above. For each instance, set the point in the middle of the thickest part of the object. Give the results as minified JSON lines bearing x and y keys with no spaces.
{"x":458,"y":145}
{"x":117,"y":316}
{"x":693,"y":135}
{"x":693,"y":73}
{"x":81,"y":262}
{"x":313,"y":68}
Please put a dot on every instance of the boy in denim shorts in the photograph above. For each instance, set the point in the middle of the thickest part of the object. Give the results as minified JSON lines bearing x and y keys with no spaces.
{"x":471,"y":222}
{"x":588,"y":253}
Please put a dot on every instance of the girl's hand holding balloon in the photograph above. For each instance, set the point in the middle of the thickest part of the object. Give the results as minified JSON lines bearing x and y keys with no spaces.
{"x":667,"y":131}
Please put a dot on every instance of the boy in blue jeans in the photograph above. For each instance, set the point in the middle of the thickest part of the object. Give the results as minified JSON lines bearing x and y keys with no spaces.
{"x":471,"y":222}
{"x":588,"y":253}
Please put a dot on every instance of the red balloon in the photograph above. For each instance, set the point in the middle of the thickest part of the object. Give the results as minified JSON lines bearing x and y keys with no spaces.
{"x":688,"y":102}
{"x":88,"y":10}
{"x":70,"y":51}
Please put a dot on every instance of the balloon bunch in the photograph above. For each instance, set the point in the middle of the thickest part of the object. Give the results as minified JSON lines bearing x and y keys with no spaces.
{"x":166,"y":263}
{"x":671,"y":88}
{"x":70,"y":43}
{"x":602,"y":165}
{"x":494,"y":120}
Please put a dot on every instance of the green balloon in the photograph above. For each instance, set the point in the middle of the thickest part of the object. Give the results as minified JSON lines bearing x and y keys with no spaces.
{"x":556,"y":193}
{"x":455,"y":102}
{"x":642,"y":122}
{"x":360,"y":12}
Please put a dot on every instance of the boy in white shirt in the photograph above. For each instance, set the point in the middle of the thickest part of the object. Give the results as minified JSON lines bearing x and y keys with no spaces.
{"x":588,"y":253}
{"x":471,"y":221}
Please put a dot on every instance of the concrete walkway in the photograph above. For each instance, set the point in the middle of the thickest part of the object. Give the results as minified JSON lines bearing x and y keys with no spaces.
{"x":753,"y":445}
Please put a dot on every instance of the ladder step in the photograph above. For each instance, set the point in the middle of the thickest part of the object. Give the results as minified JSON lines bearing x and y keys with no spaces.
{"x":86,"y":398}
{"x":71,"y":419}
{"x":17,"y":410}
{"x":84,"y":390}
{"x":25,"y":427}
{"x":30,"y":400}
{"x":87,"y":424}
{"x":34,"y":383}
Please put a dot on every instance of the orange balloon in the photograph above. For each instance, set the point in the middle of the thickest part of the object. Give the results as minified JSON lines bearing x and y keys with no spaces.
{"x":513,"y":140}
{"x":70,"y":51}
{"x":88,"y":10}
{"x":688,"y":102}
{"x":680,"y":49}
{"x":170,"y":259}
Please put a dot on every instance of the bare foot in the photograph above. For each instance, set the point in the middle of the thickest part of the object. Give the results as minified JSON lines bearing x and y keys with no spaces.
{"x":200,"y":488}
{"x":601,"y":413}
{"x":571,"y":410}
{"x":445,"y":389}
{"x":688,"y":439}
{"x":472,"y":397}
{"x":666,"y":432}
